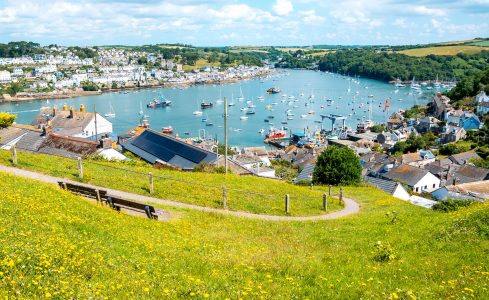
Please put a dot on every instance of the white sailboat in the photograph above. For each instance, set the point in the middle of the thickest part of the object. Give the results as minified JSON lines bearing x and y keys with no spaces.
{"x":198,"y":112}
{"x":111,"y":113}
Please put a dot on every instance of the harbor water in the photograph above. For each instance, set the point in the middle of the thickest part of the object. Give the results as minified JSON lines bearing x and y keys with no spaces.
{"x":305,"y":96}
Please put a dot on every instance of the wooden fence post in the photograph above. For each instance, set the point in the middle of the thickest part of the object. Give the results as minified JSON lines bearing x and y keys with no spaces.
{"x":287,"y":204}
{"x":80,"y":168}
{"x":14,"y":155}
{"x":341,"y":195}
{"x":151,"y":186}
{"x":224,"y":197}
{"x":330,"y":190}
{"x":325,"y":202}
{"x":99,"y":201}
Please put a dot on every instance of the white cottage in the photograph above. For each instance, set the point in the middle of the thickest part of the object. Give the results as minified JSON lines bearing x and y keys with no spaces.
{"x":419,"y":180}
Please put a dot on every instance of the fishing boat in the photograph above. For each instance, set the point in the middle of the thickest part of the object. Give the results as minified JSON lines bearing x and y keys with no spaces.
{"x":276,"y":133}
{"x":111,"y":113}
{"x":167,"y":130}
{"x":158,"y":103}
{"x":205,"y":105}
{"x":273,"y":90}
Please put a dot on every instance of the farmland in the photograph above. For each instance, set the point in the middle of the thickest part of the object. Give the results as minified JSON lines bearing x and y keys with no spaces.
{"x":443,"y":50}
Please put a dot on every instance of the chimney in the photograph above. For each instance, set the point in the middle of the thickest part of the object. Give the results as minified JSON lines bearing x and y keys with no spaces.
{"x":106,"y":142}
{"x":65,"y":108}
{"x":72,"y":112}
{"x":82,"y":108}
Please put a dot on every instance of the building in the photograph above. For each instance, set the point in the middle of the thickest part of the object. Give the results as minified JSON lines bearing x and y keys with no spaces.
{"x":470,"y":121}
{"x":450,"y":134}
{"x":155,"y":147}
{"x":477,"y":191}
{"x":5,"y":76}
{"x":306,"y":174}
{"x":419,"y":180}
{"x":78,"y":124}
{"x":390,"y":187}
{"x":255,"y":165}
{"x":418,"y":159}
{"x":464,"y":157}
{"x":440,"y":106}
{"x":481,"y":97}
{"x":483,"y":108}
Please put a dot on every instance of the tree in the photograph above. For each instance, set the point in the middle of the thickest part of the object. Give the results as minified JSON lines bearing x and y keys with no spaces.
{"x":6,"y":119}
{"x":337,"y":165}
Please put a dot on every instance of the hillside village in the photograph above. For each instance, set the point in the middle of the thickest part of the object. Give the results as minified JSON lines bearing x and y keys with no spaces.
{"x":420,"y":159}
{"x":63,"y":72}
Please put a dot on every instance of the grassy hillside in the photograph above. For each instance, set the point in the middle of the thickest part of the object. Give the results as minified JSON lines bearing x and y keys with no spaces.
{"x":443,"y":50}
{"x":56,"y":245}
{"x":245,"y":193}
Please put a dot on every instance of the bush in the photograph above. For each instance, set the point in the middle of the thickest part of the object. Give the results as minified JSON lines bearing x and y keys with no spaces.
{"x":6,"y":119}
{"x":451,"y":205}
{"x":383,"y":252}
{"x":337,"y":165}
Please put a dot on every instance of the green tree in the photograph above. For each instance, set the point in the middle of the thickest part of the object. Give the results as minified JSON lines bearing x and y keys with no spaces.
{"x":14,"y":88}
{"x":6,"y":119}
{"x":337,"y":165}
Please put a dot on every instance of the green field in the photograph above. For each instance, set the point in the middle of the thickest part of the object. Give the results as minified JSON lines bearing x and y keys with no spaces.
{"x":442,"y":50}
{"x":56,"y":245}
{"x":481,"y":43}
{"x":245,"y":193}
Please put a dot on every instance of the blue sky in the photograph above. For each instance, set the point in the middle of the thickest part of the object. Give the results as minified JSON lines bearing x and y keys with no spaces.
{"x":239,"y":22}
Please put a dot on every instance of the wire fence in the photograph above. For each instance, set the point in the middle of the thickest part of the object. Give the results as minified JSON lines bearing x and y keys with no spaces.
{"x":180,"y":189}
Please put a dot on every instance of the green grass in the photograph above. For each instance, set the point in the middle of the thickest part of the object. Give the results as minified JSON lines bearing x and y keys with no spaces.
{"x":442,"y":50}
{"x":204,"y":189}
{"x":481,"y":43}
{"x":54,"y":244}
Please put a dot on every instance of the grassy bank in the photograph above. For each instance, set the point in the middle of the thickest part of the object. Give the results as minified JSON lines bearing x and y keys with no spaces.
{"x":56,"y":245}
{"x":244,"y":193}
{"x":443,"y":50}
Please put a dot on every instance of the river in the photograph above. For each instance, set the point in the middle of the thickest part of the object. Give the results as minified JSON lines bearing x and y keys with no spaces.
{"x":244,"y":132}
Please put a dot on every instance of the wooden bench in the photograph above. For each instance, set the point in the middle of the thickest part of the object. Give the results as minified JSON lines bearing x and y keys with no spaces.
{"x":114,"y":202}
{"x":99,"y":195}
{"x":118,"y":203}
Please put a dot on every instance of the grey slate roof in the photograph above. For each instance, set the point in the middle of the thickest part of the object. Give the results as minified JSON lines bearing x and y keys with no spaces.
{"x":152,"y":146}
{"x":387,"y":186}
{"x":464,"y":157}
{"x":406,"y":173}
{"x":305,"y":174}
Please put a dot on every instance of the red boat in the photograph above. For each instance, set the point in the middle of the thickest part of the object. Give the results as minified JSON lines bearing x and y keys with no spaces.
{"x":167,"y":130}
{"x":276,"y":134}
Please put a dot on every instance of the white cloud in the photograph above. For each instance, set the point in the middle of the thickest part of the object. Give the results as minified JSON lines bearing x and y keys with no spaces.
{"x":423,"y":10}
{"x":310,"y":17}
{"x":400,"y":22}
{"x":283,"y":7}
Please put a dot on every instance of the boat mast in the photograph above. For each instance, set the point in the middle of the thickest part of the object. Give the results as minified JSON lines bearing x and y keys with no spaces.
{"x":226,"y":134}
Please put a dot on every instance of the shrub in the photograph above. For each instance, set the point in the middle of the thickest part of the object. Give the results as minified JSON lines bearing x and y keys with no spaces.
{"x":451,"y":205}
{"x":336,"y":166}
{"x":383,"y":252}
{"x":6,"y":120}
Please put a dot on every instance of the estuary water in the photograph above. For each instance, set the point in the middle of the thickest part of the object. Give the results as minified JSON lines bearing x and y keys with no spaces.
{"x":307,"y":94}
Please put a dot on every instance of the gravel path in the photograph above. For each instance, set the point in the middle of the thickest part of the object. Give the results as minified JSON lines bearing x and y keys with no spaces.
{"x":351,"y":207}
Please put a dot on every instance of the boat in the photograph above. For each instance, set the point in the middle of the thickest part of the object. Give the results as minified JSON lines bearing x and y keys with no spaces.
{"x":271,"y":117}
{"x":260,"y":98}
{"x":167,"y":130}
{"x":250,"y":112}
{"x":268,"y":107}
{"x":329,"y":102}
{"x":273,"y":90}
{"x":414,"y":85}
{"x":205,"y":105}
{"x":276,"y":133}
{"x":243,"y":109}
{"x":303,"y":116}
{"x":197,"y":113}
{"x":158,"y":103}
{"x":284,"y":122}
{"x":243,"y":118}
{"x":111,"y":113}
{"x":261,"y":131}
{"x":266,"y":120}
{"x":209,"y":123}
{"x":311,"y":112}
{"x":332,"y":136}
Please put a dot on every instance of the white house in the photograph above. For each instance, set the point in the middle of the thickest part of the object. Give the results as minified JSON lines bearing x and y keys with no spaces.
{"x":5,"y":76}
{"x":419,"y":180}
{"x":254,"y":165}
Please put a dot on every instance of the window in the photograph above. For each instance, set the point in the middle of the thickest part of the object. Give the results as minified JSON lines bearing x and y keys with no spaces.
{"x":434,"y":185}
{"x":425,"y":187}
{"x":417,"y":189}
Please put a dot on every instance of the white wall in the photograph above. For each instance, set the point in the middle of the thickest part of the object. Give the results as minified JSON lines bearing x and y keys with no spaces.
{"x":427,"y":184}
{"x":401,"y":193}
